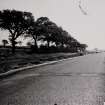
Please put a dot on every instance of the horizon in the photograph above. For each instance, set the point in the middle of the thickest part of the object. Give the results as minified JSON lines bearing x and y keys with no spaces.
{"x":88,"y":28}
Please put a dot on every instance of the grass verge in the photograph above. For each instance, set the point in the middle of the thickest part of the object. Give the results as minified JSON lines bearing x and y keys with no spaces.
{"x":22,"y":59}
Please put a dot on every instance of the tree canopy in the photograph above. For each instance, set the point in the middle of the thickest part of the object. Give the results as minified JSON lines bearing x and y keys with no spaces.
{"x":16,"y":22}
{"x":20,"y":23}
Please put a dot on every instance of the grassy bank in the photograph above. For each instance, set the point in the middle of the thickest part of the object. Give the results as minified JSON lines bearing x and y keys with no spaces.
{"x":22,"y":59}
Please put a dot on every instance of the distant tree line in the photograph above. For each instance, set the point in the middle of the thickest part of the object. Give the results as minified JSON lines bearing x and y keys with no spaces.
{"x":52,"y":37}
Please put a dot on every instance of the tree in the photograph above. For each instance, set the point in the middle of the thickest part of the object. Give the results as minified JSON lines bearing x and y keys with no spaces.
{"x":63,"y":38}
{"x":37,"y":30}
{"x":48,"y":30}
{"x":5,"y":42}
{"x":16,"y":22}
{"x":83,"y":47}
{"x":34,"y":32}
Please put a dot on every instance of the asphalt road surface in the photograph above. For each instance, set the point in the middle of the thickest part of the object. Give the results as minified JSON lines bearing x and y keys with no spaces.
{"x":77,"y":81}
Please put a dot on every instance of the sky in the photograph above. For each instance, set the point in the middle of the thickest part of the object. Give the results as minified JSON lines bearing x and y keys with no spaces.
{"x":83,"y":19}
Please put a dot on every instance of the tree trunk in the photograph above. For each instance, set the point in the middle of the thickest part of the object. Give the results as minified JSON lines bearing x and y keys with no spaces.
{"x":48,"y":44}
{"x":13,"y":42}
{"x":4,"y":45}
{"x":62,"y":44}
{"x":13,"y":47}
{"x":56,"y":43}
{"x":35,"y":43}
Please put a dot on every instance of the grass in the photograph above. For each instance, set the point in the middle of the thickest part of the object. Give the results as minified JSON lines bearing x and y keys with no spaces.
{"x":8,"y":61}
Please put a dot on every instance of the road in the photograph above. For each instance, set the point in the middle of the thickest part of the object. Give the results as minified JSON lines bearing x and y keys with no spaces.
{"x":77,"y":81}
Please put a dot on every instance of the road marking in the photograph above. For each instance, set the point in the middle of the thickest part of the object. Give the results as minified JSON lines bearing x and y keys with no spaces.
{"x":72,"y":74}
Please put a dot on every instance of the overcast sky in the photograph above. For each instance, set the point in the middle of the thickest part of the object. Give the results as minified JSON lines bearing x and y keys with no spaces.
{"x":83,"y":19}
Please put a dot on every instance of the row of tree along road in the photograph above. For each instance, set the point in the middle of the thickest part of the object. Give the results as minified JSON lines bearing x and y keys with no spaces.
{"x":43,"y":30}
